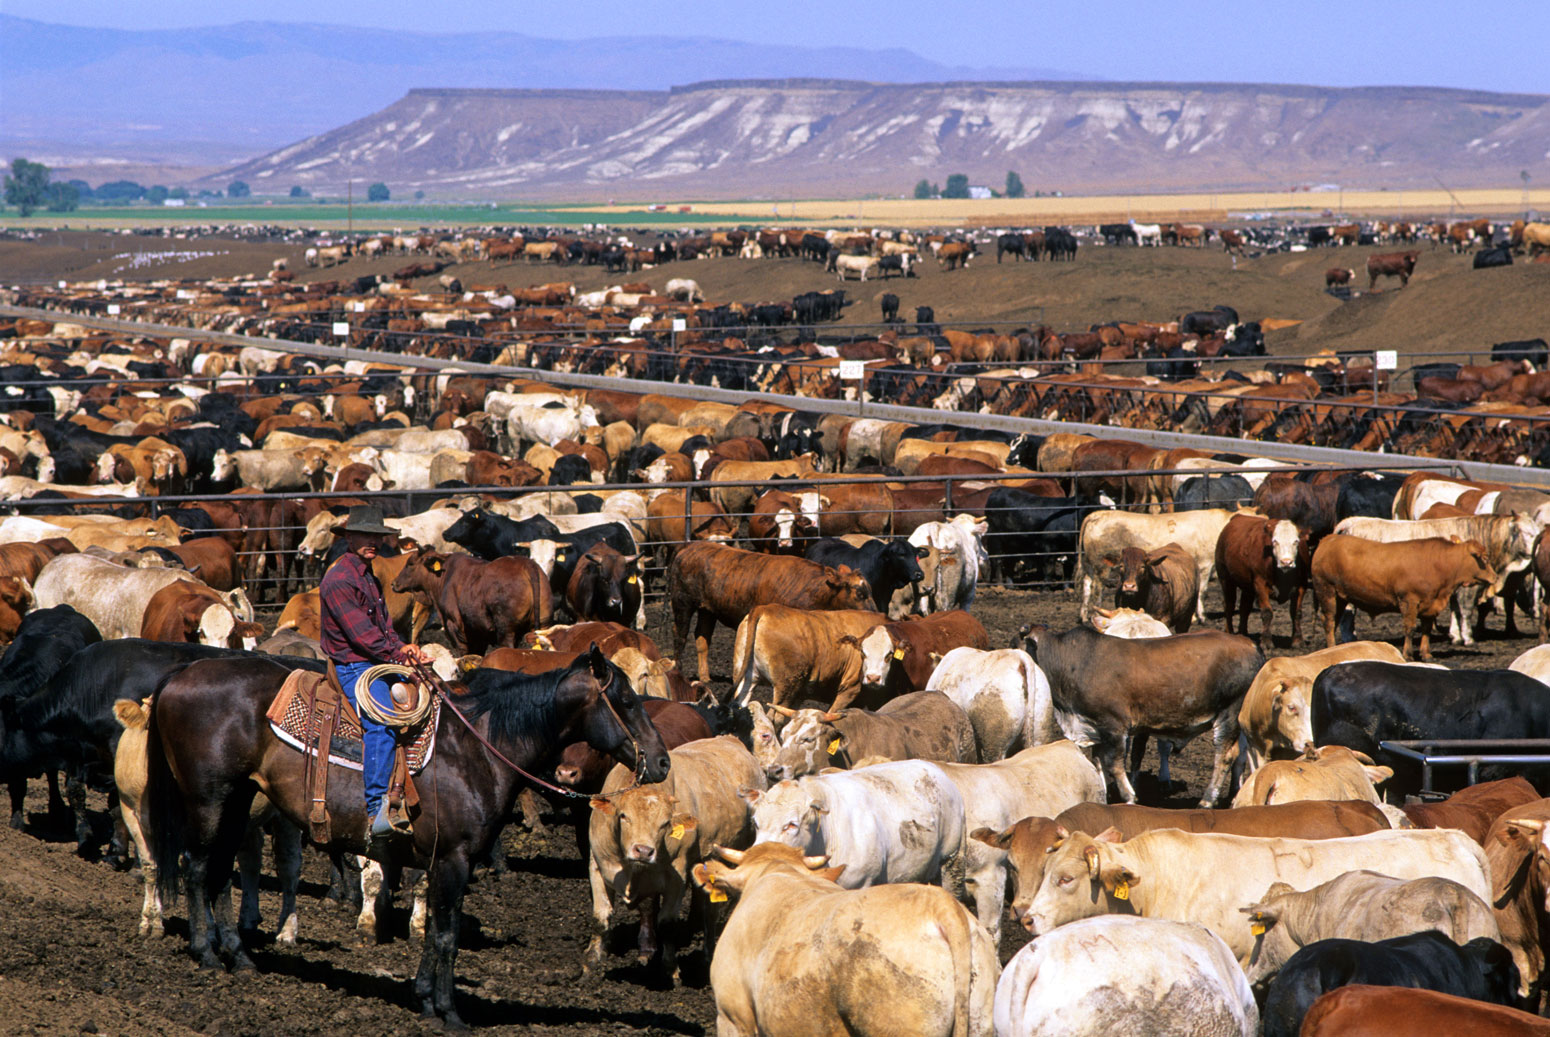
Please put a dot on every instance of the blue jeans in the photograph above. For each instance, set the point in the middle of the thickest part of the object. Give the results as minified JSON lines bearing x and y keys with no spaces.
{"x":377,"y":757}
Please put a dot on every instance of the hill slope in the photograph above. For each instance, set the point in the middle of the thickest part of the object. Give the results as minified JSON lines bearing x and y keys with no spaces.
{"x":776,"y":138}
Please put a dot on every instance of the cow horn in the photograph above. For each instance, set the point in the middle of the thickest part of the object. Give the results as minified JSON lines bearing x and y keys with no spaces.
{"x":814,"y":863}
{"x":1527,"y":824}
{"x":1091,"y":853}
{"x":730,"y":855}
{"x":785,"y":711}
{"x":829,"y":718}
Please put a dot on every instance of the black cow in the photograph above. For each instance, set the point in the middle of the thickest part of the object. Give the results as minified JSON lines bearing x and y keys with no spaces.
{"x":1208,"y":322}
{"x":1200,"y":492}
{"x":44,"y":643}
{"x":815,"y":246}
{"x":604,"y":586}
{"x":1370,"y":495}
{"x":1013,"y":243}
{"x":570,"y":468}
{"x":1320,"y":236}
{"x":925,"y":321}
{"x":1030,"y":531}
{"x":486,"y":535}
{"x":1535,"y":350}
{"x":1481,"y":970}
{"x":886,"y":564}
{"x":895,"y":265}
{"x":636,"y":459}
{"x":1491,"y":257}
{"x":1175,"y":364}
{"x":890,"y":307}
{"x":1360,"y":704}
{"x":1118,"y":233}
{"x":68,"y":723}
{"x":1244,"y":340}
{"x":573,"y":545}
{"x":796,"y":434}
{"x":1059,"y":243}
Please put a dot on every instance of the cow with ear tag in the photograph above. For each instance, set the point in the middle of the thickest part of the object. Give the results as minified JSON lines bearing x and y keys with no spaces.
{"x":926,"y":725}
{"x":913,"y":960}
{"x":646,"y":838}
{"x":605,"y":586}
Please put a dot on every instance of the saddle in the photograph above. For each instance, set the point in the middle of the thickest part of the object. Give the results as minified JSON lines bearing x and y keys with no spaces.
{"x":312,"y":714}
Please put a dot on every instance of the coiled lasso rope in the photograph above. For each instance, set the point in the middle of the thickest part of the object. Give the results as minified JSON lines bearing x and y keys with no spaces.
{"x":392,"y":716}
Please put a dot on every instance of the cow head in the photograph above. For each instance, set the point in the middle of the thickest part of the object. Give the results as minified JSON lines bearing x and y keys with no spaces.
{"x":789,"y":812}
{"x":720,"y":881}
{"x":1527,"y":867}
{"x":1085,"y":876}
{"x":1028,"y":845}
{"x":880,"y":650}
{"x":1290,"y":715}
{"x":1132,"y":567}
{"x":766,"y":743}
{"x":1284,"y":543}
{"x":810,"y":743}
{"x":422,"y":573}
{"x":850,"y":588}
{"x":214,"y":624}
{"x":902,"y":559}
{"x":651,"y":828}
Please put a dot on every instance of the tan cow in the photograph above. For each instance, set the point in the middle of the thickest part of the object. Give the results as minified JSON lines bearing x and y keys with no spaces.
{"x":1275,"y":717}
{"x":801,"y":654}
{"x":891,"y":959}
{"x":738,"y":500}
{"x":645,"y":839}
{"x":1327,"y":772}
{"x":1105,"y":534}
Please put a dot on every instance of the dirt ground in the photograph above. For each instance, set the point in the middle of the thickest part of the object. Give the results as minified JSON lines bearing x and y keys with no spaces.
{"x":71,"y":962}
{"x":1447,"y":307}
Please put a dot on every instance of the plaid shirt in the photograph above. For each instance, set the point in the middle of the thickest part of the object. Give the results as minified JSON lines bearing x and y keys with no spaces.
{"x":355,"y":620}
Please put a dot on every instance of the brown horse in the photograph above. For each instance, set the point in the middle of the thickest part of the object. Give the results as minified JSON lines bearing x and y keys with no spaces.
{"x":211,"y":748}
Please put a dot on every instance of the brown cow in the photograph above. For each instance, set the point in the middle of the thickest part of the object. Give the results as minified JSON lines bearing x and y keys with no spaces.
{"x":483,"y":605}
{"x":1338,"y":275}
{"x":1162,"y":583}
{"x":487,"y":468}
{"x":801,"y":654}
{"x":1520,"y":884}
{"x":212,"y":559}
{"x":583,"y":768}
{"x":303,"y":614}
{"x":778,"y":526}
{"x":1362,"y":1010}
{"x":714,"y":584}
{"x":1473,"y":809}
{"x":1415,"y":578}
{"x":855,"y":508}
{"x":15,"y":600}
{"x":26,"y":560}
{"x":578,"y":637}
{"x":1030,"y":841}
{"x":899,"y":657}
{"x":1268,"y":557}
{"x":925,"y":725}
{"x":665,"y":522}
{"x":188,"y":612}
{"x":1391,"y":264}
{"x":604,"y":586}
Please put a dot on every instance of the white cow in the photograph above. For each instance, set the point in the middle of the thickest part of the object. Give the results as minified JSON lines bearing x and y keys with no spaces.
{"x":684,"y":289}
{"x":112,"y":596}
{"x":1105,"y":534}
{"x":963,"y":537}
{"x":892,"y":822}
{"x":1147,"y":233}
{"x":858,"y":265}
{"x":997,"y":795}
{"x":1004,"y":693}
{"x":550,"y":423}
{"x":1127,"y":623}
{"x":1535,"y":662}
{"x":1158,"y":874}
{"x":1116,"y":975}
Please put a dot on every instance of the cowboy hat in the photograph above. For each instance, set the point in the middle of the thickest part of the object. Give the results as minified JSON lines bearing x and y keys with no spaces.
{"x":366,"y":518}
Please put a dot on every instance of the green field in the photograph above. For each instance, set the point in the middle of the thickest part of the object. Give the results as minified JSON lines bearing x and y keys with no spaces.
{"x":366,"y":216}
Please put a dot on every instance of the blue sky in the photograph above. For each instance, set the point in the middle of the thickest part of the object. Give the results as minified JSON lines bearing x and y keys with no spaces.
{"x":1345,"y":43}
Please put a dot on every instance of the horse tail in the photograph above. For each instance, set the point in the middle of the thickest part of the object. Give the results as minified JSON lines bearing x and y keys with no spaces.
{"x":162,"y":809}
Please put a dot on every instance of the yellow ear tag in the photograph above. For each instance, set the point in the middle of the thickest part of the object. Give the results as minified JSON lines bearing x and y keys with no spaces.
{"x":898,"y":653}
{"x":715,"y":895}
{"x":1122,"y":891}
{"x":1257,"y":928}
{"x":834,"y":747}
{"x":633,"y":579}
{"x":677,"y":831}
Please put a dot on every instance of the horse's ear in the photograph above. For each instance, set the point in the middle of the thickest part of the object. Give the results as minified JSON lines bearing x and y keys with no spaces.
{"x":598,"y":662}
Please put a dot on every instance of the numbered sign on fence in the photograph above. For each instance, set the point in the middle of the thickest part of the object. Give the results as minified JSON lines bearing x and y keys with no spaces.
{"x":1386,"y":359}
{"x":680,"y":324}
{"x":342,"y":328}
{"x":357,"y":306}
{"x":852,"y":370}
{"x":114,"y":309}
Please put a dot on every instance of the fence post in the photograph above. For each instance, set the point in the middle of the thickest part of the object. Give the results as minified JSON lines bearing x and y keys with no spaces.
{"x":688,"y":508}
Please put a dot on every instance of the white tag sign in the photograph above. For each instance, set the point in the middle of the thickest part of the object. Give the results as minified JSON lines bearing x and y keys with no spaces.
{"x":680,"y":324}
{"x":342,"y":328}
{"x":357,"y":306}
{"x":62,"y":284}
{"x":852,"y":370}
{"x":114,"y":309}
{"x":1386,"y":359}
{"x":183,"y":293}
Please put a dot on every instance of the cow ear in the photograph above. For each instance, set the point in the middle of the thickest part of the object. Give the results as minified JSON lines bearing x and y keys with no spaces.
{"x":992,"y":838}
{"x":680,"y":824}
{"x":922,"y":552}
{"x":1378,"y":775}
{"x":832,"y":874}
{"x":849,"y":639}
{"x":1110,"y":835}
{"x":602,"y":806}
{"x":749,"y":795}
{"x":1090,"y":854}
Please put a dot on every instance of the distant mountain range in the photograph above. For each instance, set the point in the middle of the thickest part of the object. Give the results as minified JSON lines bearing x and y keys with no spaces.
{"x":232,"y":91}
{"x":807,"y":137}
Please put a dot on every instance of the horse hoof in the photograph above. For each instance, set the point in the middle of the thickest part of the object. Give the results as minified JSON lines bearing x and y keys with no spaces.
{"x":453,"y":1023}
{"x":18,"y":821}
{"x":208,"y":960}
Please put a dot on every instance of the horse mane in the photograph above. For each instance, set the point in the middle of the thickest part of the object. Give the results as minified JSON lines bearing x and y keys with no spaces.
{"x":520,"y":706}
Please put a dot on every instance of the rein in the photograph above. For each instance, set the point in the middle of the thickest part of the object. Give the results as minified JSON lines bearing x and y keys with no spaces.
{"x":431,"y":678}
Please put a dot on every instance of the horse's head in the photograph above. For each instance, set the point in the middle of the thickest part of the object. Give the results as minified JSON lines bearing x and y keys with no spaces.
{"x":607,"y":714}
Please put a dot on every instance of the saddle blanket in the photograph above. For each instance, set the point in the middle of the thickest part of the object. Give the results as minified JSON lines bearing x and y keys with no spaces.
{"x":290,"y":717}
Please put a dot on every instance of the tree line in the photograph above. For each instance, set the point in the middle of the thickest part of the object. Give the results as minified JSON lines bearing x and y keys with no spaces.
{"x":958,"y":187}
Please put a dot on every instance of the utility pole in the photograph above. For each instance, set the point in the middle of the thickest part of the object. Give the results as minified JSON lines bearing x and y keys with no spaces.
{"x":349,"y":206}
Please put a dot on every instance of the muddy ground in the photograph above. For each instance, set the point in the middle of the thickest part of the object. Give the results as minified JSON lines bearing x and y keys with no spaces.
{"x":71,"y":962}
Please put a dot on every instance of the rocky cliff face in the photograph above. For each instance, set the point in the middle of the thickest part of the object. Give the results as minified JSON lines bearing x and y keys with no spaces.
{"x":778,"y":138}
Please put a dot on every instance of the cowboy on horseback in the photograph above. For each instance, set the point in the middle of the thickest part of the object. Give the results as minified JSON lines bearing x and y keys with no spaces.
{"x":356,"y":635}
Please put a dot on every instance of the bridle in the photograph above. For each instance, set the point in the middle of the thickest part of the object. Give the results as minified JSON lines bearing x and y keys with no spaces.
{"x":430,"y":678}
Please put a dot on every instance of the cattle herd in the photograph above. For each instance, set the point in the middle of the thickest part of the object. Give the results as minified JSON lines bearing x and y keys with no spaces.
{"x":851,"y":809}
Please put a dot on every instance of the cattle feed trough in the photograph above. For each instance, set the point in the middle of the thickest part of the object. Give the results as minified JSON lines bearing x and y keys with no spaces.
{"x":1469,"y":753}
